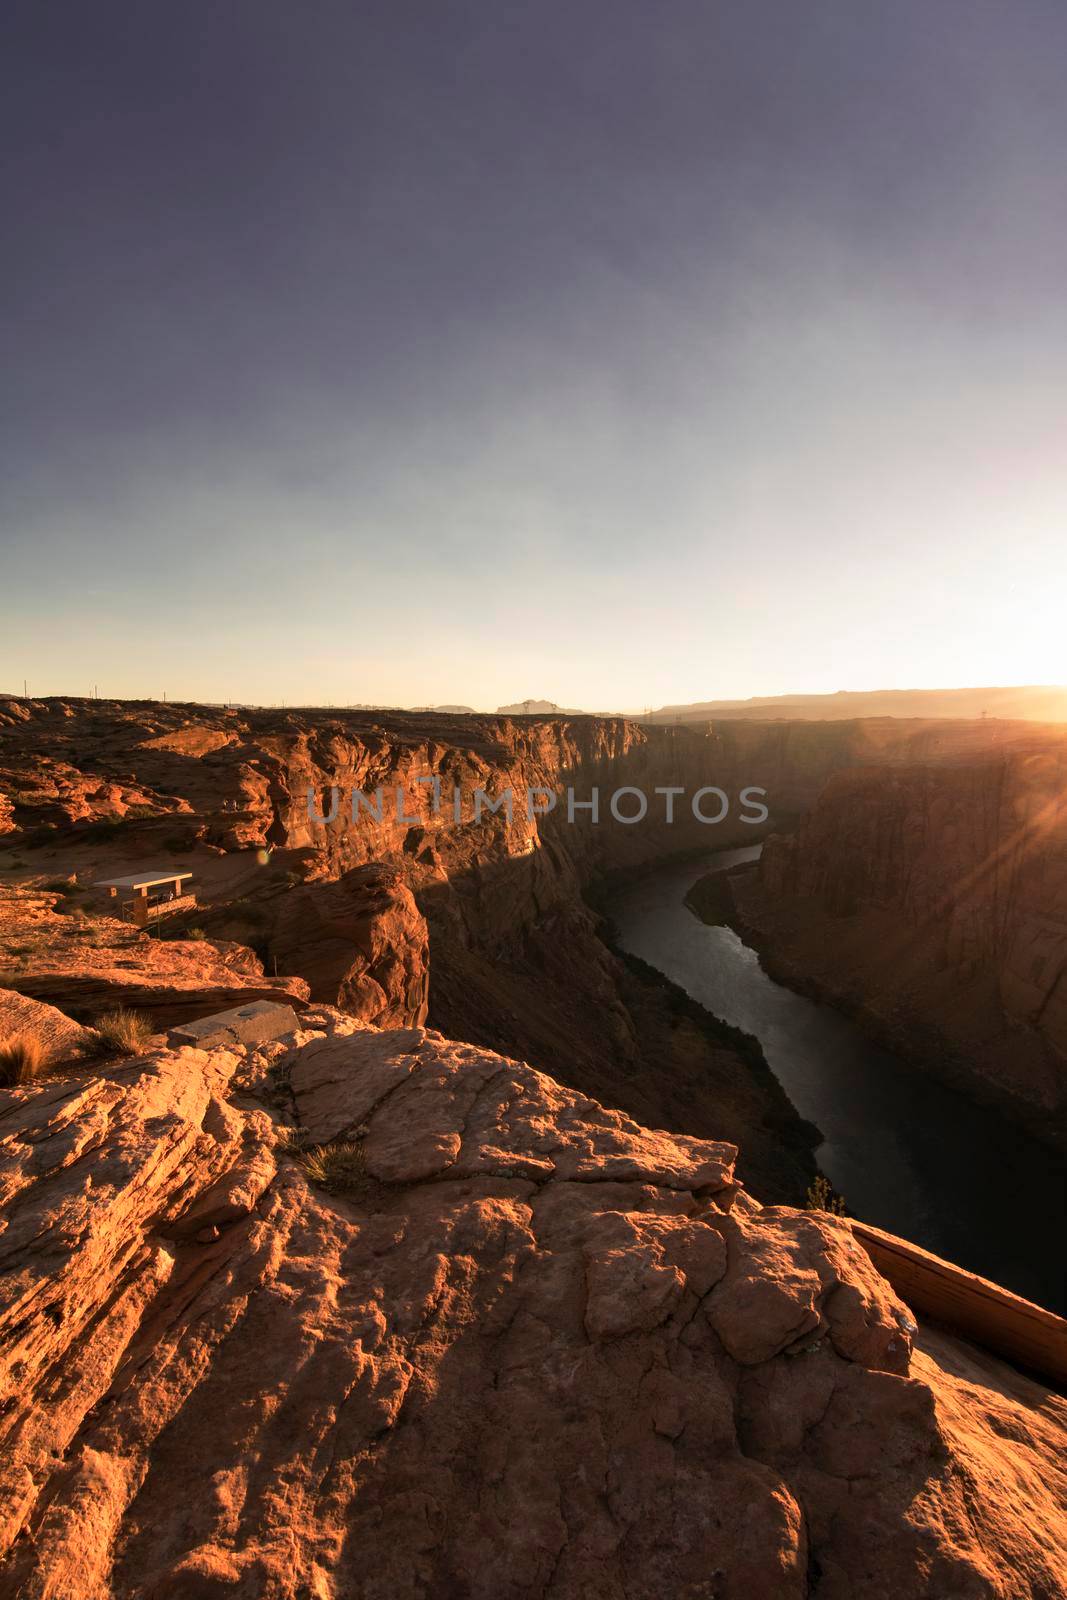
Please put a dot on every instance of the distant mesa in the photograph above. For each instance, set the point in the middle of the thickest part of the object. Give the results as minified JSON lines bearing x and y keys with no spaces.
{"x":538,"y":708}
{"x":1043,"y":703}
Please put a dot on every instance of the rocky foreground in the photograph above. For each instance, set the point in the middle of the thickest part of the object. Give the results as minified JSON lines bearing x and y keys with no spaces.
{"x":380,"y":1315}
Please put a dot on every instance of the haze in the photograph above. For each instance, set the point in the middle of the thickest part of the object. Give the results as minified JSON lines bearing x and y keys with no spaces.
{"x":619,"y":354}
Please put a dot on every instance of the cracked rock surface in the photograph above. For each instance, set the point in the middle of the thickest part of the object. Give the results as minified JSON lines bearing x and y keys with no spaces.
{"x":525,"y":1348}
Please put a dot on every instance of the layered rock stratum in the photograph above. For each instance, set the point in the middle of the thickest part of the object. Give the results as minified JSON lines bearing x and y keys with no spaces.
{"x":377,"y":1314}
{"x":94,"y":964}
{"x":482,"y":920}
{"x":932,"y":899}
{"x":497,"y":943}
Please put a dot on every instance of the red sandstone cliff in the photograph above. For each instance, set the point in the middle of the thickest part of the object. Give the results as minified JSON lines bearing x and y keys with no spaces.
{"x":514,"y":954}
{"x":87,"y":780}
{"x":934,"y":898}
{"x":362,"y":943}
{"x":98,"y":783}
{"x":488,"y":914}
{"x":508,"y":1344}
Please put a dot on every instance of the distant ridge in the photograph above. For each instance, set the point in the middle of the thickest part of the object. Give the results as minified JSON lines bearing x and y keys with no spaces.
{"x":538,"y":708}
{"x":1041,"y":703}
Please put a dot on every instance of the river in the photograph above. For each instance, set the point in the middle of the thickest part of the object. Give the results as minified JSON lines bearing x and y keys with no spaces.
{"x":907,"y":1153}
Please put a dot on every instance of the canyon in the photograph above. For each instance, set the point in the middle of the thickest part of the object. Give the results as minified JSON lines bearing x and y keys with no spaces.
{"x":914,"y":872}
{"x":490,"y":1281}
{"x":350,"y":908}
{"x":931,"y":901}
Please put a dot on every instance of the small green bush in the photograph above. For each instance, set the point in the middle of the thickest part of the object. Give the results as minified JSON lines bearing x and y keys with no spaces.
{"x":22,"y":1058}
{"x":119,"y":1032}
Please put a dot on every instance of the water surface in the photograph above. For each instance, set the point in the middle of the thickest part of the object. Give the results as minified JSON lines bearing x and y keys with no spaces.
{"x":908,"y":1154}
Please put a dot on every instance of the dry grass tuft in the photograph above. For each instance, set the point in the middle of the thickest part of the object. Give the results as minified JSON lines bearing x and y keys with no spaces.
{"x":120,"y":1032}
{"x":22,"y":1058}
{"x":821,"y":1197}
{"x":336,"y":1167}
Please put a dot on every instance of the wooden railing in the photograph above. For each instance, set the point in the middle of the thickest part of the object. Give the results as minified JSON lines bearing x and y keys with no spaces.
{"x":144,"y":911}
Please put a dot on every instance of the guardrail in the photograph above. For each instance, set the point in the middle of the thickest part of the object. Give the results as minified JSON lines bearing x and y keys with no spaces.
{"x":988,"y":1315}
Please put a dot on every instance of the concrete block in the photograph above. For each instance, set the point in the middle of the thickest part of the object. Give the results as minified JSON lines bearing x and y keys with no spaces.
{"x":249,"y":1024}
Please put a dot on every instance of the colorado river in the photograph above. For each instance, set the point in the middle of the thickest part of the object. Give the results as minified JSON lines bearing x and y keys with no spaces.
{"x":908,"y":1154}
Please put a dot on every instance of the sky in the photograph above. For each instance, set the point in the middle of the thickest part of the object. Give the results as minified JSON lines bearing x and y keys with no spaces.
{"x":614,"y":353}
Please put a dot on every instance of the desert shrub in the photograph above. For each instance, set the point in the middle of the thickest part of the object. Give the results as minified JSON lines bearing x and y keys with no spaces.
{"x":173,"y":930}
{"x":821,"y":1197}
{"x":336,"y":1167}
{"x":22,"y":1058}
{"x":119,"y":1032}
{"x":99,"y":832}
{"x":255,"y":916}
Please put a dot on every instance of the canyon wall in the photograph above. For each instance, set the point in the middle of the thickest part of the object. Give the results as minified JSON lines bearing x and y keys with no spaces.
{"x":934,"y":898}
{"x":397,"y":908}
{"x":94,"y":782}
{"x":515,"y":957}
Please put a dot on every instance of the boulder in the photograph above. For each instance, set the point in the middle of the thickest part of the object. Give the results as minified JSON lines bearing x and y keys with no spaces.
{"x":361,"y":943}
{"x":60,"y":1034}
